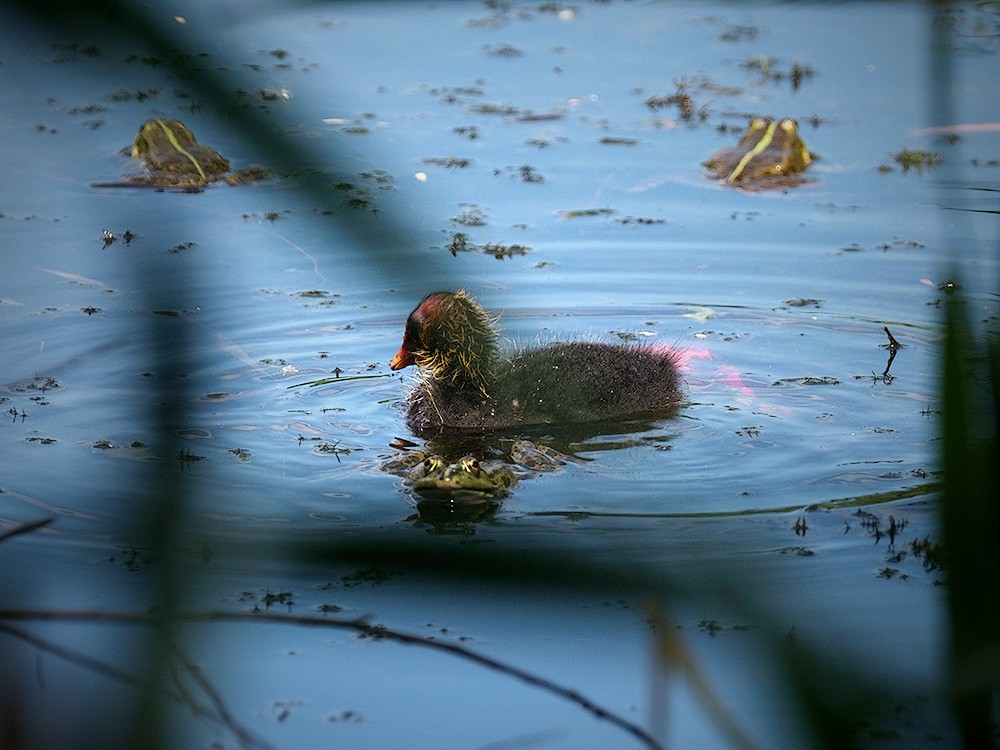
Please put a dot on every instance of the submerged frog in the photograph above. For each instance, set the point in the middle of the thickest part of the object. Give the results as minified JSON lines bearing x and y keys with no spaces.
{"x":770,"y":155}
{"x":174,"y":159}
{"x":470,"y":479}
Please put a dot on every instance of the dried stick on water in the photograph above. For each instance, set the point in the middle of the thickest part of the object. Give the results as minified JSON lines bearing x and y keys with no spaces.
{"x":893,"y":346}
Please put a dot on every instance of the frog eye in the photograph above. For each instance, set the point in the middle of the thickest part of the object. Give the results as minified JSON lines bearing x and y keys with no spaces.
{"x":758,"y":123}
{"x":789,"y":125}
{"x":472,"y":466}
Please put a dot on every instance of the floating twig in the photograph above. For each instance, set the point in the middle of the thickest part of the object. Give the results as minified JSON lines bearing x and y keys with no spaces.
{"x":893,"y":346}
{"x":338,"y":379}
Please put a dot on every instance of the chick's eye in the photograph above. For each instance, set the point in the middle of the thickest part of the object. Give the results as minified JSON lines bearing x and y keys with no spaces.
{"x":412,"y":332}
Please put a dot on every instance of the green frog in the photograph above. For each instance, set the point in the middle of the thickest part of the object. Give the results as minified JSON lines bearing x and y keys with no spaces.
{"x":174,"y":159}
{"x":465,"y":480}
{"x":471,"y":479}
{"x":770,"y":155}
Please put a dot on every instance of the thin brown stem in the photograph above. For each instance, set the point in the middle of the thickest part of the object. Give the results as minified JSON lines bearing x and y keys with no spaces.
{"x":377,"y":632}
{"x":220,"y":714}
{"x":25,"y":527}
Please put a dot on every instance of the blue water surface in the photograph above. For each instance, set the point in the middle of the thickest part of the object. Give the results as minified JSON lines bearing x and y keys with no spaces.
{"x":778,"y":297}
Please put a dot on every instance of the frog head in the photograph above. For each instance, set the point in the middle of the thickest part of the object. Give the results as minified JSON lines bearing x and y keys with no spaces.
{"x":770,"y":154}
{"x":174,"y":157}
{"x":465,"y":479}
{"x":772,"y":148}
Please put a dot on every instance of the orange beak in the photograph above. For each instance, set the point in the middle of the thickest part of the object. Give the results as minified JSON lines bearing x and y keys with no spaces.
{"x":402,"y":359}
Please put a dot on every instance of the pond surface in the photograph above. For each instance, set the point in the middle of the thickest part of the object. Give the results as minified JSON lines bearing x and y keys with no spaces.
{"x":586,"y":213}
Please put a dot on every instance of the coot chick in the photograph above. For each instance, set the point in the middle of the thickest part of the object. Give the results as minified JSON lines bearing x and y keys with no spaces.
{"x":468,"y":385}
